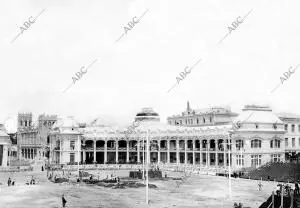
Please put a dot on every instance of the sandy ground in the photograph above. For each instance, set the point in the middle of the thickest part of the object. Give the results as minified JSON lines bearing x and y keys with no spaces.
{"x":196,"y":191}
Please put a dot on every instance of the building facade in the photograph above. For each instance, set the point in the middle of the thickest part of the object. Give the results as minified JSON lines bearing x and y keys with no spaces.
{"x":5,"y":145}
{"x":32,"y":138}
{"x":292,"y":136}
{"x":203,"y":117}
{"x":169,"y":144}
{"x":258,"y":138}
{"x":253,"y":138}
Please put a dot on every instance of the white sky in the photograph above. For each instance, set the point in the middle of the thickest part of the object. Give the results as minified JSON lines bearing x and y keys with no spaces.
{"x":138,"y":70}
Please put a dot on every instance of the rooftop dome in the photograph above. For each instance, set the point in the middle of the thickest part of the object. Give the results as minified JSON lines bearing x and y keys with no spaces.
{"x":147,"y":114}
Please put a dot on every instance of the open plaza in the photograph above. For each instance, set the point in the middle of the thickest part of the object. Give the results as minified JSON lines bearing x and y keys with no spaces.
{"x":193,"y":191}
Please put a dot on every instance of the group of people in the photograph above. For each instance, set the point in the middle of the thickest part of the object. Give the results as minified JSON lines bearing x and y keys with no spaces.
{"x":31,"y":182}
{"x":10,"y":182}
{"x":288,"y":189}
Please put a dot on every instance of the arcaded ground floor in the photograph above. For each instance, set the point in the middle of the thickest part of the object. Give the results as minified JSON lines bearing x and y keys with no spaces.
{"x":196,"y":191}
{"x":123,"y":157}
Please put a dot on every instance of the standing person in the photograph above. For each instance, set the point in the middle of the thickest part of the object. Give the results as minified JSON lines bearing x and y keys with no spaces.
{"x":9,"y":182}
{"x":259,"y":186}
{"x":64,"y":201}
{"x":297,"y":191}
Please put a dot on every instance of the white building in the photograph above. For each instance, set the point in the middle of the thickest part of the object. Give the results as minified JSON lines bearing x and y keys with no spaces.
{"x":258,"y":138}
{"x":292,"y":136}
{"x":5,"y":144}
{"x":65,"y":141}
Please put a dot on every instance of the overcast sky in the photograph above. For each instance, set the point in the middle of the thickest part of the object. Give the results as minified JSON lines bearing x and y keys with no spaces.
{"x":139,"y":69}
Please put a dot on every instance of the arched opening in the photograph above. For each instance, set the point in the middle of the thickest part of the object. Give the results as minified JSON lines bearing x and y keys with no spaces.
{"x":212,"y":144}
{"x":89,"y":144}
{"x":100,"y":144}
{"x":163,"y":144}
{"x":122,"y":144}
{"x":181,"y":144}
{"x":172,"y":144}
{"x":111,"y":145}
{"x":190,"y":144}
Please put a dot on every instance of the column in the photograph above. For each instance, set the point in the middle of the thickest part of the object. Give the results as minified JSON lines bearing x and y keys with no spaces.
{"x":105,"y":151}
{"x":208,"y":153}
{"x":127,"y":152}
{"x":201,"y":157}
{"x":225,"y":159}
{"x":177,"y":151}
{"x":5,"y":155}
{"x":117,"y":151}
{"x":194,"y":146}
{"x":217,"y":159}
{"x":185,"y":150}
{"x":138,"y":151}
{"x":61,"y":150}
{"x":158,"y":151}
{"x":168,"y":151}
{"x":95,"y":161}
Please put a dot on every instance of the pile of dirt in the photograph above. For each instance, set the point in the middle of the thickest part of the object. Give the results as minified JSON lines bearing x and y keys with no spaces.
{"x":61,"y":180}
{"x":151,"y":173}
{"x":114,"y":185}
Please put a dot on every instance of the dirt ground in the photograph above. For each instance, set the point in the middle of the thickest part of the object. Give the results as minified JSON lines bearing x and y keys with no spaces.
{"x":196,"y":191}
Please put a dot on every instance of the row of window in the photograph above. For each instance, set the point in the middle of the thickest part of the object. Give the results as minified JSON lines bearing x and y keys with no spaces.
{"x":191,"y":121}
{"x":293,"y":142}
{"x":256,"y":159}
{"x":256,"y":143}
{"x":292,"y":127}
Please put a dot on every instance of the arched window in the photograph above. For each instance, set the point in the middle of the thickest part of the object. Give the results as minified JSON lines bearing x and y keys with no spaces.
{"x":275,"y":143}
{"x":256,"y":143}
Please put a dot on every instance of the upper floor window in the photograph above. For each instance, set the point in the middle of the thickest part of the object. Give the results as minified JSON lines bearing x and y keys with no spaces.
{"x":275,"y":126}
{"x":210,"y":119}
{"x":197,"y":120}
{"x":239,"y":144}
{"x":256,"y":126}
{"x":293,"y":142}
{"x":256,"y":143}
{"x":203,"y":120}
{"x":293,"y":128}
{"x":275,"y":143}
{"x":298,"y":128}
{"x":285,"y":127}
{"x":72,"y":145}
{"x":180,"y":122}
{"x":191,"y":121}
{"x":286,"y":142}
